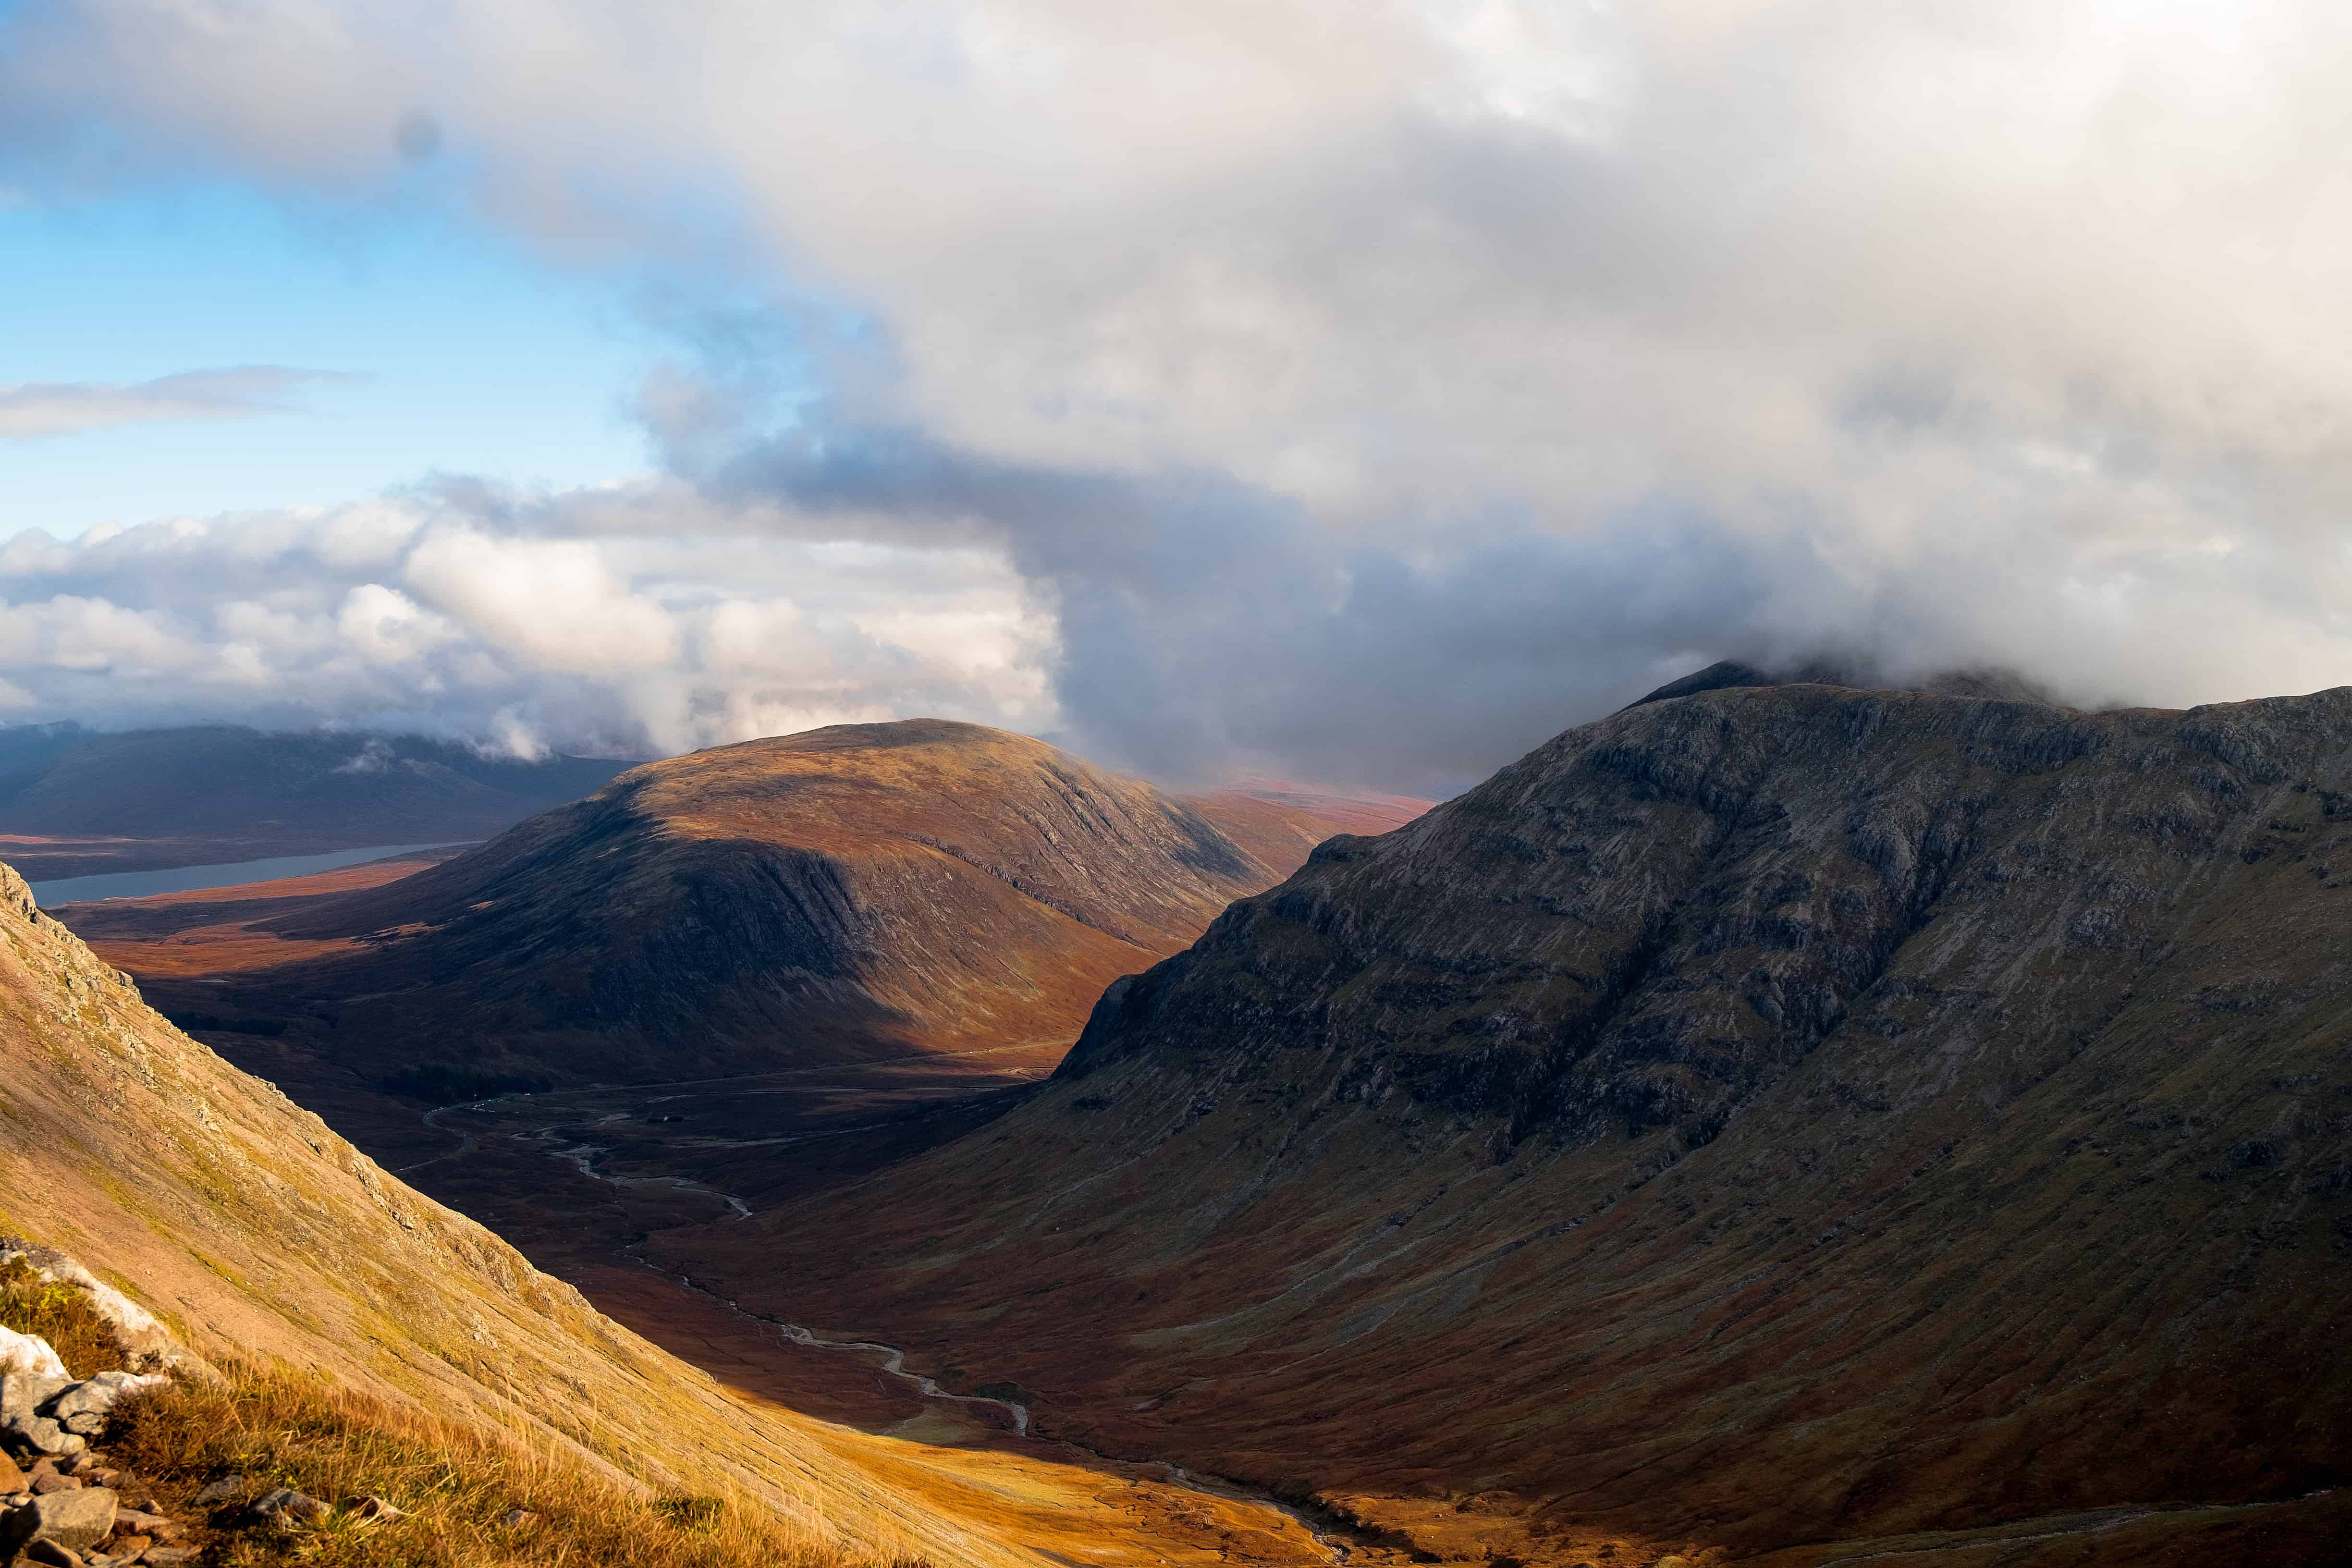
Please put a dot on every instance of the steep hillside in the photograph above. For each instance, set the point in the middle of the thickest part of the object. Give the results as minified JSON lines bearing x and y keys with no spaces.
{"x":858,"y":891}
{"x":258,"y":1235}
{"x":151,"y":798}
{"x":1774,"y":1115}
{"x":377,"y":1342}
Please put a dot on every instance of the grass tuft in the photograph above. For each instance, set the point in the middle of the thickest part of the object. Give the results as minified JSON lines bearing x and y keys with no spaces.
{"x":455,"y":1485}
{"x":62,"y":1315}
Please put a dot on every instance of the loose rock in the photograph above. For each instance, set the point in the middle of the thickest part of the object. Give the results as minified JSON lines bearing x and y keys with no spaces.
{"x":373,"y":1507}
{"x":50,"y":1554}
{"x":517,"y":1519}
{"x":287,"y":1506}
{"x":78,"y":1519}
{"x":40,"y":1435}
{"x":24,"y":1393}
{"x":53,"y":1482}
{"x":12,"y":1480}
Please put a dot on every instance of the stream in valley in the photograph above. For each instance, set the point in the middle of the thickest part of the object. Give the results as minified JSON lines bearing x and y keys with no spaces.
{"x":571,"y":1140}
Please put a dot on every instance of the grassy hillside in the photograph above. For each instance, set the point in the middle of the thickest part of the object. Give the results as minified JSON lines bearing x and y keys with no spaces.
{"x":268,"y":1245}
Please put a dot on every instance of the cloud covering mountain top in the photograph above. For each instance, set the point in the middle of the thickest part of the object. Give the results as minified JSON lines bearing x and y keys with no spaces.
{"x":1366,"y":390}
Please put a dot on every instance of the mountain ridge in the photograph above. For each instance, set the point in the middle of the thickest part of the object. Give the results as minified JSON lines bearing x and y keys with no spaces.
{"x":1725,"y":1065}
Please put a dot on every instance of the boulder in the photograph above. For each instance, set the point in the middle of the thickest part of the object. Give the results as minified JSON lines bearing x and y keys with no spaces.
{"x":50,"y":1554}
{"x":29,"y":1354}
{"x":24,"y":1393}
{"x":40,"y":1435}
{"x":84,"y":1406}
{"x":78,"y":1520}
{"x":12,"y":1480}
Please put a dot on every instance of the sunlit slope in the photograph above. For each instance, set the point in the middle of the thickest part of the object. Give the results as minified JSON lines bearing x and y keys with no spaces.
{"x":1776,"y":1115}
{"x":856,"y":891}
{"x":259,"y":1234}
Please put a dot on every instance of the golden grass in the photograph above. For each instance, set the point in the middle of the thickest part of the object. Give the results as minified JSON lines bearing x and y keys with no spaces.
{"x":62,"y":1315}
{"x":454,"y":1484}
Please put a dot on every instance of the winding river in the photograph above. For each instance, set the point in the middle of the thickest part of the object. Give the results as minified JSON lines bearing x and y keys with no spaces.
{"x":581,"y":1156}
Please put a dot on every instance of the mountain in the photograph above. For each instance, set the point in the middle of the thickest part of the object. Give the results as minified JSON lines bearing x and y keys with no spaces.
{"x":1726,"y":675}
{"x":73,"y":803}
{"x":1789,"y":1118}
{"x":239,"y":1226}
{"x":854,"y":892}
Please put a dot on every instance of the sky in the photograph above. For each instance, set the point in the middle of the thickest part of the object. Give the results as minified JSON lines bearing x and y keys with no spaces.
{"x":1354,"y":392}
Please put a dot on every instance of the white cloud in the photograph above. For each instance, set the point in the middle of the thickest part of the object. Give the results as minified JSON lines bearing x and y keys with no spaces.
{"x":492,"y":620}
{"x":1371,"y":385}
{"x":64,"y":408}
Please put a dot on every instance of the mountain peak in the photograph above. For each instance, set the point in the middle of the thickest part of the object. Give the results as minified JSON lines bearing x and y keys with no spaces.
{"x":1993,"y":682}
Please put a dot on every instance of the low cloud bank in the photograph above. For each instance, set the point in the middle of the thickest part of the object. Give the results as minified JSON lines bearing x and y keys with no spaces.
{"x":1366,"y":391}
{"x":489,"y":617}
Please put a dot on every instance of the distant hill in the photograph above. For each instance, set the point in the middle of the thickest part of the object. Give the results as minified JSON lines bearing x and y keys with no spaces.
{"x":852,"y":892}
{"x":1794,"y":1118}
{"x":74,"y":803}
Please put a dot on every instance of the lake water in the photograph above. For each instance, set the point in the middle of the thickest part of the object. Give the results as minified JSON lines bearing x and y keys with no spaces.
{"x":191,"y":879}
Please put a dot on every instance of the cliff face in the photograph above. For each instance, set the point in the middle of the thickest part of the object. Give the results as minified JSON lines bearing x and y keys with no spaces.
{"x":251,"y":1231}
{"x":857,"y":891}
{"x":1786,"y":1112}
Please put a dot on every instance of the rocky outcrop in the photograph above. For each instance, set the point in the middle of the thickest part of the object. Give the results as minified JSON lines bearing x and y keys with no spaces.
{"x":1787,"y":1110}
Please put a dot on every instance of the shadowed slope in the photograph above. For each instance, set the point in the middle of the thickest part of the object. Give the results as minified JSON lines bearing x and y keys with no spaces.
{"x":855,"y":891}
{"x":1776,"y":1114}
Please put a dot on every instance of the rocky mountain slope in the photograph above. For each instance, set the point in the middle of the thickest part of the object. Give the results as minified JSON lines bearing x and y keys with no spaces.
{"x":852,"y":892}
{"x":149,"y":798}
{"x":252,"y":1234}
{"x":1797,"y":1117}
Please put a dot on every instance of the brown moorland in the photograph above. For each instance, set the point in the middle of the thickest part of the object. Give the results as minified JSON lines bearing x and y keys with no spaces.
{"x":360,"y":1336}
{"x":1796,"y":1121}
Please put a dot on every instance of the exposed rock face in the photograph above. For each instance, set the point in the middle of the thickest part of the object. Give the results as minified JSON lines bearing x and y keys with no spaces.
{"x":1786,"y":1111}
{"x":860,"y":890}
